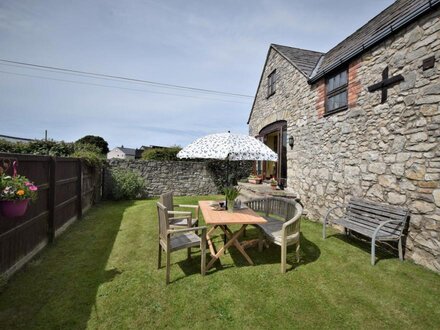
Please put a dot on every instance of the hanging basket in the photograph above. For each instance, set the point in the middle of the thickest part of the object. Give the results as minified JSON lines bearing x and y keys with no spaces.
{"x":14,"y":208}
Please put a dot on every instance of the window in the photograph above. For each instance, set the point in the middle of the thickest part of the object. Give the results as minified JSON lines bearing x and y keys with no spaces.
{"x":336,"y":99}
{"x":271,"y":83}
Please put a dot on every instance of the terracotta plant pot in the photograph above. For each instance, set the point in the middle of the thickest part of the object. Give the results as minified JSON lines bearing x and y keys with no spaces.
{"x":15,"y":208}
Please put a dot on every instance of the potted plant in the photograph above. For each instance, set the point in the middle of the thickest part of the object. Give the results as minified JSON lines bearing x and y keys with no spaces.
{"x":273,"y":183}
{"x":255,"y":179}
{"x":15,"y":194}
{"x":231,"y":193}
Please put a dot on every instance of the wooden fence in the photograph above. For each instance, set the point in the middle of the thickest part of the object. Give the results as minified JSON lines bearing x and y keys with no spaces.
{"x":66,"y":189}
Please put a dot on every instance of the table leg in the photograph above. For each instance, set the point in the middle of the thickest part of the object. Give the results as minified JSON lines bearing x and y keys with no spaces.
{"x":237,"y":244}
{"x":209,"y":240}
{"x":232,"y":240}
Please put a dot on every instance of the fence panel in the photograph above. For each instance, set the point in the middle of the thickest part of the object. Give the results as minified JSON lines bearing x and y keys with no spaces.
{"x":65,"y":188}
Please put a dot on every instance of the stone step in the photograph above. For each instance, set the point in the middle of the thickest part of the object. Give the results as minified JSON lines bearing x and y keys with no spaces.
{"x":250,"y":190}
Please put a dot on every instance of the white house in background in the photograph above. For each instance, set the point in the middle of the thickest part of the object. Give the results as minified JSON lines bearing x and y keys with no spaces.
{"x":124,"y":153}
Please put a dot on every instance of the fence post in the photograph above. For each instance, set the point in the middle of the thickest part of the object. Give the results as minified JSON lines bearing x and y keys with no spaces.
{"x":51,"y":199}
{"x":79,"y":188}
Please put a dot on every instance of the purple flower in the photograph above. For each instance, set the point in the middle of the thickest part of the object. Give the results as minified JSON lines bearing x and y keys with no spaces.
{"x":32,"y":188}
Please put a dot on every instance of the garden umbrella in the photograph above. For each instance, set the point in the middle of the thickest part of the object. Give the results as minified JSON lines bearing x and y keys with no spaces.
{"x":228,"y":146}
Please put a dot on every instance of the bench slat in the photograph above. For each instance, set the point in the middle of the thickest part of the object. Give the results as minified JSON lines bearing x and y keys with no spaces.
{"x":373,"y":218}
{"x":379,"y":207}
{"x":366,"y":231}
{"x":383,"y":229}
{"x":378,"y":213}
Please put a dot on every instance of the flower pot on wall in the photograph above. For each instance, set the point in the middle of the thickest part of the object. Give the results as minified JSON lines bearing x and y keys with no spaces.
{"x":14,"y":208}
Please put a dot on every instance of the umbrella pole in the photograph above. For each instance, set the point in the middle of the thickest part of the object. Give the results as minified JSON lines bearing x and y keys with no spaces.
{"x":227,"y":180}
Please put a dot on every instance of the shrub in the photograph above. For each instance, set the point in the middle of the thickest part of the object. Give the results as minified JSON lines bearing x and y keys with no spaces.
{"x":126,"y":184}
{"x":161,"y":153}
{"x":90,"y":153}
{"x":38,"y":147}
{"x":95,"y":140}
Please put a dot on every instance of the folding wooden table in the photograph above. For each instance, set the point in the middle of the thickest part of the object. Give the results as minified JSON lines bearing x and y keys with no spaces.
{"x":223,"y":219}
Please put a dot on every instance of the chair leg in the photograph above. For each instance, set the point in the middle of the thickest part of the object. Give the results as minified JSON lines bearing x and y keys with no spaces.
{"x":400,"y":249}
{"x":283,"y":257}
{"x":203,"y":257}
{"x":189,"y":253}
{"x":297,"y":252}
{"x":260,"y":241}
{"x":168,"y":267}
{"x":159,"y":257}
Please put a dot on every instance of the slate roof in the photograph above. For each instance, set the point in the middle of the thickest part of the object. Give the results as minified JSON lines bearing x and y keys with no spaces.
{"x":315,"y":65}
{"x":394,"y":17}
{"x":305,"y":60}
{"x":128,"y":151}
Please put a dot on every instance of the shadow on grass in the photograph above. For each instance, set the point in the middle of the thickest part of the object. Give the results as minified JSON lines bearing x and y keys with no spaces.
{"x":60,"y":286}
{"x":383,"y":251}
{"x":309,"y":253}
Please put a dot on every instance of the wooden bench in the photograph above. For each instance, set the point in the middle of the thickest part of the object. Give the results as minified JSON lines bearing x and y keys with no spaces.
{"x":283,"y":223}
{"x":380,"y":222}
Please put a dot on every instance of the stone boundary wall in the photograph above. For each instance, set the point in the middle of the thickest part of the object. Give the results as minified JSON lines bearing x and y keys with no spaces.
{"x":187,"y":178}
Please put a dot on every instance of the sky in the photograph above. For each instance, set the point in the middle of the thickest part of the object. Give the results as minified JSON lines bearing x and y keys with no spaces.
{"x":211,"y":44}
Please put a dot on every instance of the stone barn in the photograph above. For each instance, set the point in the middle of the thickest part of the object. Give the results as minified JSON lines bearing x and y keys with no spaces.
{"x":361,"y":120}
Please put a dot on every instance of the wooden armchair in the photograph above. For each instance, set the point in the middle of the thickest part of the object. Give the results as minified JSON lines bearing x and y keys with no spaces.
{"x":283,"y":233}
{"x":171,"y":240}
{"x":179,"y":218}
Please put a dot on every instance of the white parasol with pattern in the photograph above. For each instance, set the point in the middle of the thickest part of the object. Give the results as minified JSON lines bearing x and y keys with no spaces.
{"x":228,"y":146}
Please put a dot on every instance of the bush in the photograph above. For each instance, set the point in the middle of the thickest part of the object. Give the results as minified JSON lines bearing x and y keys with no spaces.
{"x":90,"y":153}
{"x":98,"y":141}
{"x":38,"y":147}
{"x":126,"y":184}
{"x":161,"y":153}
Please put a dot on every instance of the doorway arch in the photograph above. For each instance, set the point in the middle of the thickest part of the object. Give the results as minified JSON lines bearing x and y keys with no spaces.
{"x":274,"y":136}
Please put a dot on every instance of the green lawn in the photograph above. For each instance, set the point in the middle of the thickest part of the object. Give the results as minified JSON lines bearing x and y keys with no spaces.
{"x":101,"y":274}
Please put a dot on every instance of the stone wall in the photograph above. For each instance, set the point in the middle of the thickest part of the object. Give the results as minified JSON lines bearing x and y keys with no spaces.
{"x":387,"y":152}
{"x":181,"y":177}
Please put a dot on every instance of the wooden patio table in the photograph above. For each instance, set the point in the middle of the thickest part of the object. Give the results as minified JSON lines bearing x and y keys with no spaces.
{"x":223,"y":219}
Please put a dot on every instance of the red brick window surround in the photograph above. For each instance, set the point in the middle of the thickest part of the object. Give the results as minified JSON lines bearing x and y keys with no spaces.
{"x":271,"y":83}
{"x":336,"y":99}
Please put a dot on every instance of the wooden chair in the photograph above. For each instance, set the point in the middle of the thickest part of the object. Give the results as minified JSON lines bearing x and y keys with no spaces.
{"x":171,"y":240}
{"x":282,"y":233}
{"x":179,"y":218}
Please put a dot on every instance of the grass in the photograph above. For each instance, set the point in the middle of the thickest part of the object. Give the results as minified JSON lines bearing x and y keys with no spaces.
{"x":101,"y":274}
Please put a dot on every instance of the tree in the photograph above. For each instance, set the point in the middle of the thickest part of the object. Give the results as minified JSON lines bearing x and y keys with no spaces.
{"x":95,"y":140}
{"x":161,"y":153}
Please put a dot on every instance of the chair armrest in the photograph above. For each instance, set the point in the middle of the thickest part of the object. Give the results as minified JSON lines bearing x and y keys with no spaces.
{"x":173,"y":231}
{"x":183,"y":213}
{"x":324,"y":223}
{"x":383,"y":223}
{"x":186,"y":205}
{"x":331,"y":210}
{"x":291,"y":221}
{"x":195,"y":207}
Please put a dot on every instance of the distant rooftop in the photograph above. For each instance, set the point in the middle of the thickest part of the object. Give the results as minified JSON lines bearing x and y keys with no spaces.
{"x":14,"y":138}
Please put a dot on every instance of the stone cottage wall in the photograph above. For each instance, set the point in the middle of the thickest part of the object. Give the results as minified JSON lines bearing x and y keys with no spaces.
{"x":384,"y":152}
{"x":182,"y":177}
{"x":291,"y":83}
